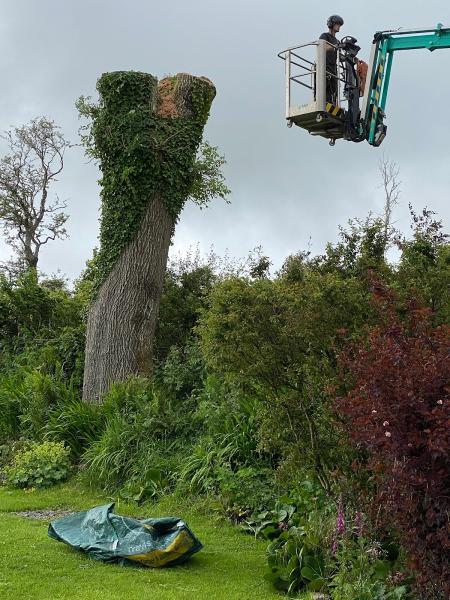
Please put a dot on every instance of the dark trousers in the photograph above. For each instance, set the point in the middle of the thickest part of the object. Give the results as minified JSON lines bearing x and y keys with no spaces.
{"x":332,"y":88}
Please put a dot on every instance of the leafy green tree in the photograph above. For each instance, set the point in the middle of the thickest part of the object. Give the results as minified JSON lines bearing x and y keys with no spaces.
{"x":425,"y":264}
{"x":278,"y":339}
{"x":28,"y":308}
{"x":361,"y":247}
{"x":41,"y":327}
{"x":185,"y":294}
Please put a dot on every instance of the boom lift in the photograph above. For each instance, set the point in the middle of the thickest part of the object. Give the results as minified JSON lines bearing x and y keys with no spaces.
{"x":350,"y":122}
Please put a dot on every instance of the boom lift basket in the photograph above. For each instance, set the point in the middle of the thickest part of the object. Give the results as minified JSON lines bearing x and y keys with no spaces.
{"x":305,"y":65}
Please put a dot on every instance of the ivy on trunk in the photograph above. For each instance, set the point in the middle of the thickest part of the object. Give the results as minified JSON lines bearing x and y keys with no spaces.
{"x":145,"y":136}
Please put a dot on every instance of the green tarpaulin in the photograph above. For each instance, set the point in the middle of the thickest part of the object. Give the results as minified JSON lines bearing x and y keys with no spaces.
{"x":106,"y":536}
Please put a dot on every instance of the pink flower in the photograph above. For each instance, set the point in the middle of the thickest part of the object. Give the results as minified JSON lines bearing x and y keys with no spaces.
{"x":388,"y":434}
{"x":385,"y":423}
{"x":340,"y":520}
{"x":335,"y":546}
{"x":439,"y":402}
{"x":358,"y":524}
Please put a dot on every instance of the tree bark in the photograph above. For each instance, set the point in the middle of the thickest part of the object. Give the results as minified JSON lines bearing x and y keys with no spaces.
{"x":122,"y":319}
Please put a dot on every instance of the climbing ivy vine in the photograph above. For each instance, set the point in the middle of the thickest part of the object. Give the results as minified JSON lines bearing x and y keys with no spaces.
{"x":140,"y":153}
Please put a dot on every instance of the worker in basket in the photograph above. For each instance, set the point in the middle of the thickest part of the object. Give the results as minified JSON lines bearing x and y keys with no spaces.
{"x":334,"y":23}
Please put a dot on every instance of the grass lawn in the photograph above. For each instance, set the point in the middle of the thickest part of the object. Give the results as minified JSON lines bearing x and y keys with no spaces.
{"x":35,"y":567}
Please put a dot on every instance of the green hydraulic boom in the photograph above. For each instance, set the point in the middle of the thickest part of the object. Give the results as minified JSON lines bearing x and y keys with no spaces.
{"x":330,"y":117}
{"x":384,"y":45}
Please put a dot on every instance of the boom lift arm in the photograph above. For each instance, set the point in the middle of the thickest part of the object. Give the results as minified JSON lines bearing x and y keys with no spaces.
{"x":384,"y":45}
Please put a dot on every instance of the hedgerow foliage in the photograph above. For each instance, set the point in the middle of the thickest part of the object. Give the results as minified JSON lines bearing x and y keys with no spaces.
{"x":185,"y":294}
{"x":399,"y":411}
{"x":31,"y":309}
{"x":277,"y":339}
{"x":241,"y":407}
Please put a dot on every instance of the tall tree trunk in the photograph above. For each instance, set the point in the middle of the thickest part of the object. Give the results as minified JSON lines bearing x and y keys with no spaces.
{"x":29,"y":255}
{"x":122,"y":318}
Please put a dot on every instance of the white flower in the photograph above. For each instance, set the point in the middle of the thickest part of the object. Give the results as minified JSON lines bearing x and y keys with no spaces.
{"x":388,"y":434}
{"x":386,"y":423}
{"x":374,"y":412}
{"x":439,"y":402}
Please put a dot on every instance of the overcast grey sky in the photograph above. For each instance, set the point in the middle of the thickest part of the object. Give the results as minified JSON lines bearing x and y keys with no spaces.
{"x":287,"y":187}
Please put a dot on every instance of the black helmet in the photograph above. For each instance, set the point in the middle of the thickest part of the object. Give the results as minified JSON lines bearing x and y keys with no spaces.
{"x":334,"y":20}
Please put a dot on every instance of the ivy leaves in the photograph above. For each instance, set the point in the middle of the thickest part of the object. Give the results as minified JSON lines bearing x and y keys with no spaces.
{"x":142,"y":153}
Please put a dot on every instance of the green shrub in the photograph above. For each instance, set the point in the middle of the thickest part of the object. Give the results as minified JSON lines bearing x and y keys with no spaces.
{"x":28,"y":398}
{"x":8,"y":449}
{"x":230,"y":416}
{"x":58,"y":353}
{"x":288,"y":511}
{"x":199,"y":471}
{"x":225,"y":459}
{"x":277,"y":340}
{"x":295,"y":562}
{"x":40,"y":394}
{"x":31,"y":310}
{"x":361,"y":569}
{"x":11,"y":401}
{"x":185,"y":292}
{"x":76,"y":423}
{"x":154,"y":473}
{"x":313,"y":547}
{"x":245,"y":490}
{"x":183,"y":371}
{"x":147,"y":432}
{"x":155,"y":441}
{"x":38,"y":466}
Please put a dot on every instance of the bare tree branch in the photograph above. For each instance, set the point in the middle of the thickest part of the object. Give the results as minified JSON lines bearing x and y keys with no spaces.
{"x":389,"y":171}
{"x":35,"y":159}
